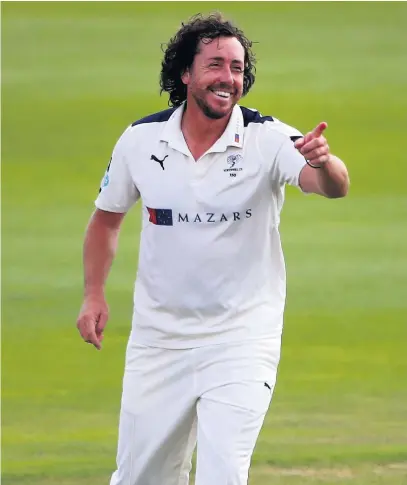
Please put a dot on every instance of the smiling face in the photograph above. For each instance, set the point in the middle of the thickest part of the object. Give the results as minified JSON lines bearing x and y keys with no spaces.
{"x":215,"y":79}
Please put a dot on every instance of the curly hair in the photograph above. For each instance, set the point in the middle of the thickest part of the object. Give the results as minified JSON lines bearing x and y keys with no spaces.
{"x":181,"y":49}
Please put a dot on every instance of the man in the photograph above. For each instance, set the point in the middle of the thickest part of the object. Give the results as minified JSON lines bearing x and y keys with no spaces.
{"x":204,"y":348}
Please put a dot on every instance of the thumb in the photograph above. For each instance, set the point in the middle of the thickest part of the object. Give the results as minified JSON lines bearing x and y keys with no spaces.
{"x":101,"y":323}
{"x":299,"y":143}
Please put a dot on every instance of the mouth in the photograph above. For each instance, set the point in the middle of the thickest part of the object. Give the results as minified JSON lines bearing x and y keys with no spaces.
{"x":221,"y":94}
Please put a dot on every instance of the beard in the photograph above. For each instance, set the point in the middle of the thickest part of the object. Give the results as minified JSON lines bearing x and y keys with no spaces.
{"x":210,"y":112}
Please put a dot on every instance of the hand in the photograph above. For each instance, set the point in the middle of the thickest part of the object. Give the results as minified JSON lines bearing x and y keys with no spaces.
{"x":314,"y":147}
{"x":92,"y":320}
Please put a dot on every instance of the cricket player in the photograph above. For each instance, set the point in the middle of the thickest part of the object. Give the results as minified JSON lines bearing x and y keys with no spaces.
{"x":204,"y":348}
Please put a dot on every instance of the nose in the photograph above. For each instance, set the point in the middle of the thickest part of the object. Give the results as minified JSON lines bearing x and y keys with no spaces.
{"x":227,"y":76}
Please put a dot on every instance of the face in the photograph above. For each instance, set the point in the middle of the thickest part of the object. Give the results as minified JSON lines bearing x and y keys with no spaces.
{"x":215,"y":79}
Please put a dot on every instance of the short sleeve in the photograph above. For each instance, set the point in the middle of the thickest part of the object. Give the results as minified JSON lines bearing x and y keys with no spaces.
{"x":117,"y":191}
{"x":288,"y":163}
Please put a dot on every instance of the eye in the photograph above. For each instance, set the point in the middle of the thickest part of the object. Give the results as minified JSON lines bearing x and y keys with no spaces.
{"x":214,"y":64}
{"x":237,"y":69}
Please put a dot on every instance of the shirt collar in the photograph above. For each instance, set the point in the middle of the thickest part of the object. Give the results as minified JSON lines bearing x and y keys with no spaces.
{"x":232,"y":136}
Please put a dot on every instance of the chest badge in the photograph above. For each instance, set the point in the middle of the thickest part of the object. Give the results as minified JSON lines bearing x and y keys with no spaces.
{"x":234,"y":162}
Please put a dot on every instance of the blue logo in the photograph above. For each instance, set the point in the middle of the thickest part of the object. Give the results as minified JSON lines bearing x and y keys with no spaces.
{"x":160,"y":217}
{"x":105,"y":181}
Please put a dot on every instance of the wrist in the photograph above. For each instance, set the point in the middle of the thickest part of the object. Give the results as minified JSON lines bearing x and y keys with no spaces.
{"x":94,"y":292}
{"x":312,"y":165}
{"x":322,"y":164}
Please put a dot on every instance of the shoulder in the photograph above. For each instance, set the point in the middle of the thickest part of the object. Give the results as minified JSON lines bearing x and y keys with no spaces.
{"x":253,"y":116}
{"x":269,"y":125}
{"x":160,"y":117}
{"x":145,"y":128}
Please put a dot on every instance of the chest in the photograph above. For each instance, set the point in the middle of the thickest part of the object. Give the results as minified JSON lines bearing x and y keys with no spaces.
{"x":167,"y":178}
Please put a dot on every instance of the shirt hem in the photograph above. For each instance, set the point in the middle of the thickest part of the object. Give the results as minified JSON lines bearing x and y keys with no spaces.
{"x":188,"y":344}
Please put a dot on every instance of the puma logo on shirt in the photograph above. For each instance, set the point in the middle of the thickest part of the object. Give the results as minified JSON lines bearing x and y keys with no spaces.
{"x":161,"y":162}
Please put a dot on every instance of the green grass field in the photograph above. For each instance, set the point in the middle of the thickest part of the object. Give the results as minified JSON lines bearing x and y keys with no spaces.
{"x":74,"y":75}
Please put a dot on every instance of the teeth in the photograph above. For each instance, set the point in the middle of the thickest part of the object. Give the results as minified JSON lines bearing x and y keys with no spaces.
{"x":222,"y":94}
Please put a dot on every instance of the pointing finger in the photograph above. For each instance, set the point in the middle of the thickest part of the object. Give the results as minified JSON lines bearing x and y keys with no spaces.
{"x":316,"y":132}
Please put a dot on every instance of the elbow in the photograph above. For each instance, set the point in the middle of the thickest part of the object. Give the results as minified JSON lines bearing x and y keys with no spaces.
{"x":337,"y":195}
{"x":337,"y":185}
{"x":339,"y":190}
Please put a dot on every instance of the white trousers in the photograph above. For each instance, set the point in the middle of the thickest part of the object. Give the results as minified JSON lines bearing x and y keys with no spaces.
{"x":214,"y":396}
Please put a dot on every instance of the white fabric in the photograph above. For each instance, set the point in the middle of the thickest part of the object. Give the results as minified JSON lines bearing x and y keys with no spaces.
{"x":117,"y":182}
{"x":214,"y":394}
{"x":211,"y":267}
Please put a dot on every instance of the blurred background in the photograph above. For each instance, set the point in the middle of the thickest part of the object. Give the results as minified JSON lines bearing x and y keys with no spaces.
{"x":74,"y":75}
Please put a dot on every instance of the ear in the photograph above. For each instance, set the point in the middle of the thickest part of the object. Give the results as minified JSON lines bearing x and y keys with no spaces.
{"x":186,"y":77}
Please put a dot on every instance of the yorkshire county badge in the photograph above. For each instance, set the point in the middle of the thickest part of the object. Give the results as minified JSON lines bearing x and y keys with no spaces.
{"x":234,"y":162}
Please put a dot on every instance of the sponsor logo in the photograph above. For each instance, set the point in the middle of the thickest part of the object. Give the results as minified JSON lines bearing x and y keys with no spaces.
{"x":161,"y":162}
{"x":212,"y":217}
{"x":160,"y":217}
{"x":106,"y":179}
{"x":167,"y":217}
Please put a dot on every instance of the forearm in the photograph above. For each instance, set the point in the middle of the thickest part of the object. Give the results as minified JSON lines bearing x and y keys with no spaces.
{"x":98,"y":253}
{"x":333,"y":178}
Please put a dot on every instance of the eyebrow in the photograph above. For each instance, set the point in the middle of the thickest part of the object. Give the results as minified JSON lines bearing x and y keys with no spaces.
{"x":218,"y":58}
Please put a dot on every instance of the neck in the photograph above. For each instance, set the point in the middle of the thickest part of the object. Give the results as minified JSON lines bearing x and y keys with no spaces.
{"x":198,"y":128}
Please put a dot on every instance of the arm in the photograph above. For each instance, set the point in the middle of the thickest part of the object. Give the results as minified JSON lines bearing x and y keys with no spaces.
{"x":116,"y":196}
{"x":99,"y":250}
{"x":331,"y":180}
{"x":324,"y":173}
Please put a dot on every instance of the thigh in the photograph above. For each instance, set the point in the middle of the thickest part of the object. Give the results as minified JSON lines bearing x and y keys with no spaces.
{"x":152,"y":454}
{"x":157,"y":431}
{"x":229,"y":421}
{"x":256,"y":360}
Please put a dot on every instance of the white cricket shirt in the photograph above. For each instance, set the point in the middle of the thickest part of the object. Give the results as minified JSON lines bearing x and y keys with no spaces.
{"x":211,"y":267}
